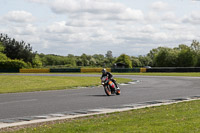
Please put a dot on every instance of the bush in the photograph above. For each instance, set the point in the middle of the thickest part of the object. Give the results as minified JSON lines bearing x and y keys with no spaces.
{"x":3,"y":56}
{"x":12,"y":64}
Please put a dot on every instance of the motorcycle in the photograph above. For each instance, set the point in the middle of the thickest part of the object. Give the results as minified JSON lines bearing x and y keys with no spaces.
{"x":109,"y":86}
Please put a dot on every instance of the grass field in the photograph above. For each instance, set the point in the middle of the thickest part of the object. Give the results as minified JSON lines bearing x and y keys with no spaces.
{"x":13,"y":83}
{"x":176,"y":118}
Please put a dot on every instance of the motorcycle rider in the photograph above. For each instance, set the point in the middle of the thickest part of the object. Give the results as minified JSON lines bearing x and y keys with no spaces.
{"x":110,"y":76}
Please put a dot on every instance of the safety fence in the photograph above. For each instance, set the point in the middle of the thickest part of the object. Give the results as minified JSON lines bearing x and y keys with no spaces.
{"x":75,"y":70}
{"x":65,"y":70}
{"x":34,"y":70}
{"x":93,"y":70}
{"x":173,"y":69}
{"x":9,"y":70}
{"x":98,"y":70}
{"x":125,"y":70}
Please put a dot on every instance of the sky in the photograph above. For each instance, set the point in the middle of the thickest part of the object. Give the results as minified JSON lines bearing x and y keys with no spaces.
{"x":131,"y":27}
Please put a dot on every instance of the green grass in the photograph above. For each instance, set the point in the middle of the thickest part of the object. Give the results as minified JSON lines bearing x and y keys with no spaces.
{"x":13,"y":84}
{"x":176,"y":118}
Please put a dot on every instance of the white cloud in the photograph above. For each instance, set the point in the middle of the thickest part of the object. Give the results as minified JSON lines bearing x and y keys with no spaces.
{"x":59,"y":27}
{"x":26,"y":30}
{"x":160,"y":6}
{"x":171,"y":26}
{"x":148,"y":28}
{"x":83,"y":23}
{"x":19,"y":16}
{"x":152,"y":16}
{"x":91,"y":6}
{"x":131,"y":14}
{"x":169,"y":16}
{"x":192,"y":18}
{"x":96,"y":9}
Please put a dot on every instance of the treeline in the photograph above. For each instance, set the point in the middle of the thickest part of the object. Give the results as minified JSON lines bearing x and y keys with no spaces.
{"x":15,"y":54}
{"x":181,"y":56}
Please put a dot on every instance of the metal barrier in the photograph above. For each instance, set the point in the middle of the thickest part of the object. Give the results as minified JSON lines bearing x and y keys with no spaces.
{"x":9,"y":70}
{"x":174,"y":69}
{"x":65,"y":70}
{"x":34,"y":70}
{"x":125,"y":70}
{"x":98,"y":70}
{"x":92,"y":70}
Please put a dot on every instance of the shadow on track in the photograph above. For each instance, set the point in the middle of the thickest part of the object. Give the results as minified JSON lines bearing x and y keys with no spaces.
{"x":100,"y":95}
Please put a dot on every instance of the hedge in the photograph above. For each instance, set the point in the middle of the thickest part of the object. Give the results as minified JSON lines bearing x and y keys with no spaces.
{"x":12,"y":64}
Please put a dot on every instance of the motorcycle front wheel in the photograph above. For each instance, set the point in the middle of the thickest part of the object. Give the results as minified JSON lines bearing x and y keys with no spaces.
{"x":107,"y":90}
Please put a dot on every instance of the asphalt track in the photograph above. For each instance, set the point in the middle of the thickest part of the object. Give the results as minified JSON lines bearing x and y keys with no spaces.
{"x":147,"y":88}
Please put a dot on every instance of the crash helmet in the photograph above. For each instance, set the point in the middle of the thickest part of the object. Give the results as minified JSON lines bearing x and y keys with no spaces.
{"x":104,"y":71}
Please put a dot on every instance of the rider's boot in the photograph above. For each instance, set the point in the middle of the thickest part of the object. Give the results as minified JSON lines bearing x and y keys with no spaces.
{"x":118,"y":90}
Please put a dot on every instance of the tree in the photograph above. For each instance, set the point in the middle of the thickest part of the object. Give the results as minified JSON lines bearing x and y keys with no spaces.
{"x":145,"y":60}
{"x":123,"y":58}
{"x":136,"y":62}
{"x":195,"y":46}
{"x":186,"y":58}
{"x":2,"y":56}
{"x":108,"y":61}
{"x":99,"y":58}
{"x":153,"y":52}
{"x":85,"y":59}
{"x":166,"y":57}
{"x":37,"y":61}
{"x":17,"y":50}
{"x":1,"y":47}
{"x":109,"y":54}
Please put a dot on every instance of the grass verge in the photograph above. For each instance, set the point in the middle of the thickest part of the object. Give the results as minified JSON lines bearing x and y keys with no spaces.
{"x":13,"y":83}
{"x":177,"y":118}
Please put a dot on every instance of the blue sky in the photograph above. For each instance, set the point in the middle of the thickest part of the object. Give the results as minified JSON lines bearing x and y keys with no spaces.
{"x":133,"y":27}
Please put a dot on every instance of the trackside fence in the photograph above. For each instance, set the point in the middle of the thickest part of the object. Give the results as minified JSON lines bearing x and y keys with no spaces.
{"x":174,"y":69}
{"x":98,"y":70}
{"x":9,"y":70}
{"x":66,"y":70}
{"x":34,"y":70}
{"x":125,"y":70}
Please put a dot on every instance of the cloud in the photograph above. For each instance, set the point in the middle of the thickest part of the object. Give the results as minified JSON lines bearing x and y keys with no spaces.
{"x":160,"y":6}
{"x":192,"y":18}
{"x":27,"y":30}
{"x":59,"y":27}
{"x":169,"y":16}
{"x":98,"y":9}
{"x":83,"y":23}
{"x":90,"y":6}
{"x":39,"y":1}
{"x":19,"y":17}
{"x":148,"y":29}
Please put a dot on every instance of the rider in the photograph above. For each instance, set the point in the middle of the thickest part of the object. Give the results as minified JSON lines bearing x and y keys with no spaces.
{"x":110,"y":76}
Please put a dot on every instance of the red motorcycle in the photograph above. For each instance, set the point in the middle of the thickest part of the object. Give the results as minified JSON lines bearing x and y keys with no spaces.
{"x":109,"y":86}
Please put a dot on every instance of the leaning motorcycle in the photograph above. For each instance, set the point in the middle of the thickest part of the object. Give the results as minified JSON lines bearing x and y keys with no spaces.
{"x":109,"y":86}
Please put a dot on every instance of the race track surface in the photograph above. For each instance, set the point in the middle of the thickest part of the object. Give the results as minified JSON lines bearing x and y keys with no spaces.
{"x":147,"y":88}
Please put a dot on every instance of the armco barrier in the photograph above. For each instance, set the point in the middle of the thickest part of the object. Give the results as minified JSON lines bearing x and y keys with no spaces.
{"x":174,"y":69}
{"x":125,"y":70}
{"x":34,"y":70}
{"x":91,"y":70}
{"x":143,"y":70}
{"x":65,"y":70}
{"x":9,"y":70}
